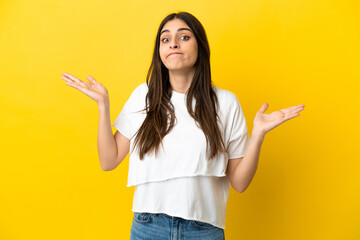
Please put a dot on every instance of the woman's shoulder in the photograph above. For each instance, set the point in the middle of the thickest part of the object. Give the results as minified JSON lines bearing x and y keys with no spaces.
{"x":140,"y":90}
{"x":225,"y":96}
{"x":229,"y":103}
{"x":142,"y":87}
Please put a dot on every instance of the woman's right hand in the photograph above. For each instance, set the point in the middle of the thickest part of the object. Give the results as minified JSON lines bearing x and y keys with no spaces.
{"x":94,"y":89}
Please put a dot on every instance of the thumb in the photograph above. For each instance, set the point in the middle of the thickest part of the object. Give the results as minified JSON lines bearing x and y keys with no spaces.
{"x":91,"y":79}
{"x":264,"y":107}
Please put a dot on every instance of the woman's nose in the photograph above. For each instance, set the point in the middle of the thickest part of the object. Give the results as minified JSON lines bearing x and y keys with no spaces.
{"x":174,"y":44}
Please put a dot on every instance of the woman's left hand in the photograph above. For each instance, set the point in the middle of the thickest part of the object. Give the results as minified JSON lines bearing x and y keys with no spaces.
{"x":263,"y":122}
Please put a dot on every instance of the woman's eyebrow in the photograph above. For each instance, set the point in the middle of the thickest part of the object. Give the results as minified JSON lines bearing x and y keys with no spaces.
{"x":180,"y":29}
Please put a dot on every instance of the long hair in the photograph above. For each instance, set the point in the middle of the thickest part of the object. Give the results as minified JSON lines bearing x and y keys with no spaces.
{"x":160,"y":115}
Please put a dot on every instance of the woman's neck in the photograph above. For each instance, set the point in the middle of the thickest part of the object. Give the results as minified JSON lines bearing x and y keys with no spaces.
{"x":180,"y":81}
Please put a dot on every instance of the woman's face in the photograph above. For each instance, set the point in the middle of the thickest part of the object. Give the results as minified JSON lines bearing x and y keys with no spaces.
{"x":176,"y":36}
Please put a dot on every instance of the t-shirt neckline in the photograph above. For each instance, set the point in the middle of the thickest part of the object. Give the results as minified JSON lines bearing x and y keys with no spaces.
{"x":178,"y":93}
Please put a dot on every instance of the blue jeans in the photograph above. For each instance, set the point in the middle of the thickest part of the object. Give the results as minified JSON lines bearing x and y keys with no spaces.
{"x":160,"y":226}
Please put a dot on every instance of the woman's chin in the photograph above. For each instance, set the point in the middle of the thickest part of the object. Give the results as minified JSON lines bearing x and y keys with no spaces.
{"x":178,"y":69}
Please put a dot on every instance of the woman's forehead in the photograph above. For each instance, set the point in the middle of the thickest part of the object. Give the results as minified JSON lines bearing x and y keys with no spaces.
{"x":174,"y":24}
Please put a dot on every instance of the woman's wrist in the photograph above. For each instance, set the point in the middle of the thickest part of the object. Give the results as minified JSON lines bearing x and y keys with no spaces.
{"x":104,"y":103}
{"x":258,"y":134}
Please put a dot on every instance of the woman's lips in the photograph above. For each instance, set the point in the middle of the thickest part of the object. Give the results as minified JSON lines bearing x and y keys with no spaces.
{"x":173,"y":54}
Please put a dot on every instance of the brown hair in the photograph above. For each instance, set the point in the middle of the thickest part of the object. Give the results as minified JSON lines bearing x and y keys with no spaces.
{"x":159,"y":107}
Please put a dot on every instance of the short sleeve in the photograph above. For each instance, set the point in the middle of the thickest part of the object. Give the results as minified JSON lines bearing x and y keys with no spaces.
{"x":128,"y":120}
{"x":236,"y":130}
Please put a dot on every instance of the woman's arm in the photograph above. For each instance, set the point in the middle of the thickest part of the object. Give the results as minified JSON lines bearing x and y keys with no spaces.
{"x":243,"y":170}
{"x":112,"y":149}
{"x":106,"y":144}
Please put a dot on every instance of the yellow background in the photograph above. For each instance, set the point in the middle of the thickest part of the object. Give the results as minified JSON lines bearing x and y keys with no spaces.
{"x":285,"y":53}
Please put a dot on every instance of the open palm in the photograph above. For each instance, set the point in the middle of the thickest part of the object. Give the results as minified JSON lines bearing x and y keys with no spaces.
{"x":265,"y":122}
{"x":95,"y":90}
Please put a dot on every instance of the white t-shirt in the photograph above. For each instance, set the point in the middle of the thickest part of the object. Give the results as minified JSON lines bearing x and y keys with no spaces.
{"x":181,"y":172}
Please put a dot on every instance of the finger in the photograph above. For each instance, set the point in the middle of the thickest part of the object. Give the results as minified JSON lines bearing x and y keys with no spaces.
{"x":67,"y":79}
{"x":298,"y":109}
{"x":76,"y":87}
{"x":264,"y":107}
{"x":300,"y":106}
{"x":91,"y":79}
{"x":71,"y":77}
{"x":290,"y":108}
{"x":80,"y":83}
{"x":84,"y":84}
{"x":292,"y":116}
{"x":293,"y":109}
{"x":286,"y":112}
{"x":289,"y":114}
{"x":72,"y":85}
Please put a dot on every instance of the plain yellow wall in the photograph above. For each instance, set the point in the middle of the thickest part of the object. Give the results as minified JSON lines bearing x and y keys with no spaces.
{"x":281,"y":52}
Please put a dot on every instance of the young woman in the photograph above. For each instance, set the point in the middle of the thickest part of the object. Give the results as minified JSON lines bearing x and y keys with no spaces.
{"x":187,"y":138}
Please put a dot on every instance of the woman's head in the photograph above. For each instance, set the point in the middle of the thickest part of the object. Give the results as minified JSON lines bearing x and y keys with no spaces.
{"x":192,"y":44}
{"x":191,"y":40}
{"x":177,"y":37}
{"x":194,"y":55}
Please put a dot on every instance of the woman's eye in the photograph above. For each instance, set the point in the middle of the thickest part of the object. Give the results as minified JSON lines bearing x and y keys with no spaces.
{"x":164,"y":40}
